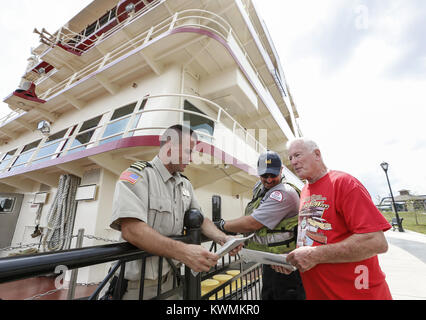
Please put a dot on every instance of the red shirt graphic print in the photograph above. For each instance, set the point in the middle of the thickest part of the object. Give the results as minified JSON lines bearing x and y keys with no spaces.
{"x":331,"y":210}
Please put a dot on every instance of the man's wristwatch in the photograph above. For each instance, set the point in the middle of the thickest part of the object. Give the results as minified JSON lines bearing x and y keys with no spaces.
{"x":222,"y":225}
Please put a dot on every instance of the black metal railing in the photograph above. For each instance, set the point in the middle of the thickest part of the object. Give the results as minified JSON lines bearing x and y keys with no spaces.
{"x":186,"y":285}
{"x":245,"y":286}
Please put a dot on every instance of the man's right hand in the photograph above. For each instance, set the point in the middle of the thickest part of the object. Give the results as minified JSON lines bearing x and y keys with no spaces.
{"x":282,"y":269}
{"x":144,"y":237}
{"x":198,"y":258}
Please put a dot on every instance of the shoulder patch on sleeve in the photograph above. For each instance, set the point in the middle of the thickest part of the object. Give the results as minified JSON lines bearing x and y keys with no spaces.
{"x":141,"y":165}
{"x":277,"y":196}
{"x":129,"y":176}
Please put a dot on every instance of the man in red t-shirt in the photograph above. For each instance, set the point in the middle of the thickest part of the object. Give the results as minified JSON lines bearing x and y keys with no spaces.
{"x":340,"y":232}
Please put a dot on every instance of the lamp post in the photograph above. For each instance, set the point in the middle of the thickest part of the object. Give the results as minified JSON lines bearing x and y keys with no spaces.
{"x":385,"y":167}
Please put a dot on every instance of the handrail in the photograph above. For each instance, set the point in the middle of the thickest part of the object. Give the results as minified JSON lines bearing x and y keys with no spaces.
{"x":238,"y":279}
{"x":69,"y":139}
{"x":65,"y":35}
{"x":112,"y":56}
{"x":148,"y":35}
{"x":20,"y":267}
{"x":132,"y":43}
{"x":13,"y":113}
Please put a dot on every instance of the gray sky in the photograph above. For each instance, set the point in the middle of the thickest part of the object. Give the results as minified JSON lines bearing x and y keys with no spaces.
{"x":17,"y":21}
{"x":356,"y":69}
{"x":357,"y":72}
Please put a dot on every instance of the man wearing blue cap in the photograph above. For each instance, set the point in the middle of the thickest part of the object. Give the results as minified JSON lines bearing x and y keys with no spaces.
{"x":273,"y":215}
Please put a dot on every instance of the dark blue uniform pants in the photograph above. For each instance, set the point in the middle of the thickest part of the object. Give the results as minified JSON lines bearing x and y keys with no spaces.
{"x":278,"y":286}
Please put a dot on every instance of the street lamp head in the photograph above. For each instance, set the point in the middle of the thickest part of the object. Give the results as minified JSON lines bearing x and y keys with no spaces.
{"x":385,"y":166}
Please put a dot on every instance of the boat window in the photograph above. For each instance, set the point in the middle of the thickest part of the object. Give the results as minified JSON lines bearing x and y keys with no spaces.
{"x":123,"y":111}
{"x":104,"y":19}
{"x":90,"y":123}
{"x":50,"y":146}
{"x":120,"y":125}
{"x":138,"y":117}
{"x":85,"y":137}
{"x":198,"y":123}
{"x":113,"y":10}
{"x":90,"y":29}
{"x":25,"y":154}
{"x":6,"y":159}
{"x":31,"y":146}
{"x":6,"y":204}
{"x":107,"y":17}
{"x":56,"y":136}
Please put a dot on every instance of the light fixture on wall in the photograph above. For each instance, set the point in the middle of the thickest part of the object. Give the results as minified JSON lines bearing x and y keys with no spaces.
{"x":44,"y":127}
{"x":130,"y":7}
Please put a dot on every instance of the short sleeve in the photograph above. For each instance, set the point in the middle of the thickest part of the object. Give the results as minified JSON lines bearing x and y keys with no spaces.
{"x":130,"y":199}
{"x":278,"y":204}
{"x":360,"y":213}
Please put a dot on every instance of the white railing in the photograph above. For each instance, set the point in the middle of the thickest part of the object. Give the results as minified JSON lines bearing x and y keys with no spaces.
{"x":196,"y":18}
{"x":10,"y":115}
{"x":65,"y":36}
{"x":222,"y":119}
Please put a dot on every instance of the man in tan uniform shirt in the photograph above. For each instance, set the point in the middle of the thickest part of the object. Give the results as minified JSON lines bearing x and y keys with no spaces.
{"x":149,"y":204}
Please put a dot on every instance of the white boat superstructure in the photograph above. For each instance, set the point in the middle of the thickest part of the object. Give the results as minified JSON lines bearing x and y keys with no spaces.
{"x":106,"y":85}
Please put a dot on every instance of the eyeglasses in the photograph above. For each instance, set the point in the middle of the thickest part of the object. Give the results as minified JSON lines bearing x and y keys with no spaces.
{"x":269,"y":175}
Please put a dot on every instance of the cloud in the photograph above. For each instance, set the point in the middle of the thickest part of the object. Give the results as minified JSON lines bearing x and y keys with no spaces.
{"x":335,"y":37}
{"x":401,"y":24}
{"x":412,"y":61}
{"x":359,"y":91}
{"x":17,"y":21}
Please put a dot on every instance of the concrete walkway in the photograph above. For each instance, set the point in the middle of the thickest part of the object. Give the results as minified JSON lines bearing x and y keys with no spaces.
{"x":405,"y":265}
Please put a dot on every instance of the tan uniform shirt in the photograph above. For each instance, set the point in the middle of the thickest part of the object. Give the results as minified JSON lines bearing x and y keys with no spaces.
{"x":157,"y":198}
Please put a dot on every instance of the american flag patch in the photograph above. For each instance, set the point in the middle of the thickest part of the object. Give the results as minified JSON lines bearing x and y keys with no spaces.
{"x":129,"y":177}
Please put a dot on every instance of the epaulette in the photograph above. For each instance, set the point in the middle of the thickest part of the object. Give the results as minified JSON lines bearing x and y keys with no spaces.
{"x":184,"y":177}
{"x":141,"y":165}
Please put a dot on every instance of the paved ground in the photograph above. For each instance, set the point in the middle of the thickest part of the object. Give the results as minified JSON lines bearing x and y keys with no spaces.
{"x":405,"y":265}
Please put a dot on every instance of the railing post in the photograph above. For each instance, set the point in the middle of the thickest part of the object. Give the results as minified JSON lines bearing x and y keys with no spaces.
{"x":58,"y":37}
{"x":74,"y":272}
{"x":148,"y":36}
{"x":173,"y":22}
{"x":193,"y":221}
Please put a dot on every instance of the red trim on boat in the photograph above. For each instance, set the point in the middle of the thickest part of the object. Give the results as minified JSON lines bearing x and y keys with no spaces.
{"x":88,"y":43}
{"x":28,"y":94}
{"x":69,"y":49}
{"x":47,"y":67}
{"x":26,"y":97}
{"x":139,"y":141}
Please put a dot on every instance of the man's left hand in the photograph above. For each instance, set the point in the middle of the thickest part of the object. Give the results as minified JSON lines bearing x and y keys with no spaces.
{"x":234,"y":251}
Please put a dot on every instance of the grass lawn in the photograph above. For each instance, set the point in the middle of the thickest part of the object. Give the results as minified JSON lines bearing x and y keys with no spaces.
{"x":409,"y":222}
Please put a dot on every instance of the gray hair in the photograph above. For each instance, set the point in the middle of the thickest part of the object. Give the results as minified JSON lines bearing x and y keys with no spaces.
{"x":311,"y":145}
